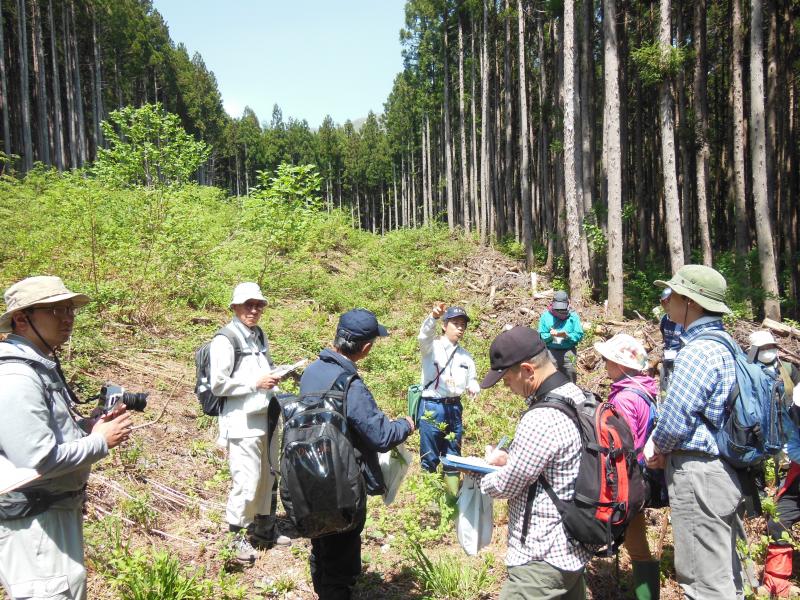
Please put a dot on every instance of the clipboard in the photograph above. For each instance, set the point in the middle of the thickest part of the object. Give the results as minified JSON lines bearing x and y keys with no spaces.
{"x":12,"y":477}
{"x":468,"y":463}
{"x":283,"y":370}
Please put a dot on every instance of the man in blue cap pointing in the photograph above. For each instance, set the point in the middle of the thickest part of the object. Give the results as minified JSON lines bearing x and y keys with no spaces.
{"x":448,"y":372}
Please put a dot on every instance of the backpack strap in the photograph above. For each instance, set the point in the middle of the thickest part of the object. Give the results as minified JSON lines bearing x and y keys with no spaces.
{"x":788,"y":384}
{"x":651,"y":402}
{"x":564,"y":405}
{"x":342,"y":384}
{"x":721,"y":337}
{"x":49,"y":386}
{"x":439,"y":374}
{"x":238,"y":351}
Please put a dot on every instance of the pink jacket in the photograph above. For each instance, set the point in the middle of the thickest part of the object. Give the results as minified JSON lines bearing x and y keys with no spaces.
{"x":634,"y":408}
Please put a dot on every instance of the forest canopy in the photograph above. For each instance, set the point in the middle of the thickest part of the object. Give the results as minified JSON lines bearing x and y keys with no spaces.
{"x":599,"y":139}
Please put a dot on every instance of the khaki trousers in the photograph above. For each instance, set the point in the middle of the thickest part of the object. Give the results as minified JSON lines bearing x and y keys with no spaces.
{"x":538,"y":580}
{"x":252,"y":479}
{"x":42,"y":556}
{"x":636,"y":539}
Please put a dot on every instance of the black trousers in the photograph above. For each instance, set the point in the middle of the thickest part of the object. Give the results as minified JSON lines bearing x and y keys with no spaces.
{"x":788,"y":509}
{"x":565,"y":362}
{"x":335,"y":562}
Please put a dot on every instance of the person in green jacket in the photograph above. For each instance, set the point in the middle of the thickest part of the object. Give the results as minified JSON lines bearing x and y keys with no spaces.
{"x":560,"y":329}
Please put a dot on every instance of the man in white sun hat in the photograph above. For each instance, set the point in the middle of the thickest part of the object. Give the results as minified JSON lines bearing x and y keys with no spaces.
{"x":240,"y":372}
{"x":764,"y":349}
{"x":633,"y":393}
{"x":41,"y":525}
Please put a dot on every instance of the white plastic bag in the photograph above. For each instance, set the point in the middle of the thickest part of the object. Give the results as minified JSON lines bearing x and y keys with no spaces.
{"x":474,"y":525}
{"x":394,"y":466}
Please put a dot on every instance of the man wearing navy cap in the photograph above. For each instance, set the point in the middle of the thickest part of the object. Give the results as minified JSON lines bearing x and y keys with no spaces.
{"x":448,"y":371}
{"x":335,"y":560}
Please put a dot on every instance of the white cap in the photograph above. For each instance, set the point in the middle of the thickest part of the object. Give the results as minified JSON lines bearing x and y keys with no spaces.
{"x":762,"y":338}
{"x":245,"y":291}
{"x":624,"y":350}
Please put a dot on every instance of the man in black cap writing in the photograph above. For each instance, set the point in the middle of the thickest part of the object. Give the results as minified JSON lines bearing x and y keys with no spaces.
{"x":335,"y":560}
{"x":541,"y":560}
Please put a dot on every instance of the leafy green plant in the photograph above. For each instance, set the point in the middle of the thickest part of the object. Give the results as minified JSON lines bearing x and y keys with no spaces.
{"x":277,"y":587}
{"x":157,"y":575}
{"x":140,"y":574}
{"x":129,"y":454}
{"x":450,"y":577}
{"x":139,"y":509}
{"x":147,"y":146}
{"x":655,"y":62}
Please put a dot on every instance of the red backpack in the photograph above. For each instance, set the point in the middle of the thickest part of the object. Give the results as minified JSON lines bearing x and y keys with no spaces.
{"x":609,"y":489}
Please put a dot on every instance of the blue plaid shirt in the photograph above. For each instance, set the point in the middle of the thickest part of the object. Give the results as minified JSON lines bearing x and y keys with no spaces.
{"x":704,"y":375}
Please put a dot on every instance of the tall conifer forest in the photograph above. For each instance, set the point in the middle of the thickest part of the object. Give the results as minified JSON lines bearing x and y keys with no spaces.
{"x":601,"y":139}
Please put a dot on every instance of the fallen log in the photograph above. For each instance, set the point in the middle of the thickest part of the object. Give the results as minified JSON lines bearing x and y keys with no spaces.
{"x":781,"y":328}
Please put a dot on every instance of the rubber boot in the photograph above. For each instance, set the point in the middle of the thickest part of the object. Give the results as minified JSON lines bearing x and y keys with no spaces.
{"x":452,"y":482}
{"x":646,"y":579}
{"x":777,"y":570}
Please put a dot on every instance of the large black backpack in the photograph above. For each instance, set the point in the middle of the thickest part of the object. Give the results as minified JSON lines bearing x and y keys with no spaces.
{"x":609,"y":489}
{"x":211,"y":404}
{"x":321,"y":487}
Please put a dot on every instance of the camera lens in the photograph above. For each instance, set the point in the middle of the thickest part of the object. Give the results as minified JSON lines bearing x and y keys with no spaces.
{"x":135,"y":401}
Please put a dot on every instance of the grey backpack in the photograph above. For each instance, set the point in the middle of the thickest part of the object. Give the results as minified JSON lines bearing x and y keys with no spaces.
{"x":211,"y":404}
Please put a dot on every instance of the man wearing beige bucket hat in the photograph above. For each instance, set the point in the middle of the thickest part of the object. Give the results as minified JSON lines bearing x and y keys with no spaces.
{"x":41,"y":536}
{"x":704,"y":491}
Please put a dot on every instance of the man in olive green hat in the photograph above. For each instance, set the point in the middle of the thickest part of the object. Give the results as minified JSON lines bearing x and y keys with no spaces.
{"x":704,"y":491}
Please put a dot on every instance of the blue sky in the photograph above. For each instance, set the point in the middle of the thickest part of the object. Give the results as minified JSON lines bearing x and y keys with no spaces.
{"x":310,"y":57}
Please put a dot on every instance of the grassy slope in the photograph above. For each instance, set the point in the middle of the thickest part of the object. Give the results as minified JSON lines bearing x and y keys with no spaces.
{"x":160,"y":268}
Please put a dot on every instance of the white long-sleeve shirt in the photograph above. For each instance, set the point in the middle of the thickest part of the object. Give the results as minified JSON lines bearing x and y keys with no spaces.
{"x":244,"y":413}
{"x":458,"y":377}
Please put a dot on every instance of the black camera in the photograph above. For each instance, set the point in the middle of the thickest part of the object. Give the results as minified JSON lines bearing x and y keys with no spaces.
{"x":110,"y":394}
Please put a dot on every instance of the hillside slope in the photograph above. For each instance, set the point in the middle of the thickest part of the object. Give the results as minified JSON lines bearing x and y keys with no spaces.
{"x":160,"y":267}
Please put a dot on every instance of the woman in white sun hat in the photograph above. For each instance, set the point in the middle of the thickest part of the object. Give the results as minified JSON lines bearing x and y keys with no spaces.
{"x":633,"y":393}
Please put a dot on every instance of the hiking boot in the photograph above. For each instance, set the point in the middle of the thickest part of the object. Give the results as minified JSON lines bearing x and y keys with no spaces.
{"x":243,"y":550}
{"x":264,"y":535}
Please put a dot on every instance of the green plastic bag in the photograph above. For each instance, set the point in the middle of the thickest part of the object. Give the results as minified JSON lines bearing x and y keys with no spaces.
{"x":414,"y":401}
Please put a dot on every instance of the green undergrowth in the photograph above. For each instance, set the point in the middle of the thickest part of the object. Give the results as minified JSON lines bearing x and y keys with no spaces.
{"x":160,"y":265}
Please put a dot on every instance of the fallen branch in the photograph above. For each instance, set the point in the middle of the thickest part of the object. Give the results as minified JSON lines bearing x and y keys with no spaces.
{"x":169,"y":399}
{"x":781,"y":328}
{"x":662,"y":534}
{"x":136,"y":525}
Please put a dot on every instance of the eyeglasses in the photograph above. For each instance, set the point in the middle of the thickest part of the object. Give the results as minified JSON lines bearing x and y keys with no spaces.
{"x":60,"y":311}
{"x":254,"y":306}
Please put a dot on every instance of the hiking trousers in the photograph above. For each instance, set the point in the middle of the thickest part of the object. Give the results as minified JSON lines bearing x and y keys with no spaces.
{"x":252,"y":479}
{"x":538,"y":580}
{"x":42,"y":556}
{"x":335,"y":562}
{"x":707,"y":506}
{"x":565,"y":362}
{"x":433,"y":441}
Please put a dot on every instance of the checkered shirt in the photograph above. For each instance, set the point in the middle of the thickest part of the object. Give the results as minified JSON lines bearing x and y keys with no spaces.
{"x":704,"y":375}
{"x":546,"y":442}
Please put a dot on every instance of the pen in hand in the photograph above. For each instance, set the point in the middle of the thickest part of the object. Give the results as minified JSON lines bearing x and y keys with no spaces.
{"x":501,"y":445}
